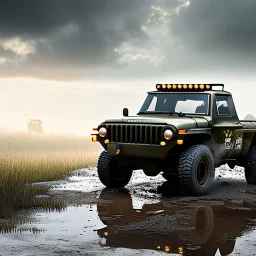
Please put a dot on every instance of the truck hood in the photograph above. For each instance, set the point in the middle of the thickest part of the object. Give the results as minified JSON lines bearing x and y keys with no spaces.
{"x":186,"y":122}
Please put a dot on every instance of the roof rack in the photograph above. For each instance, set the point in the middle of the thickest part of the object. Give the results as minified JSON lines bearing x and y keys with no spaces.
{"x":218,"y":85}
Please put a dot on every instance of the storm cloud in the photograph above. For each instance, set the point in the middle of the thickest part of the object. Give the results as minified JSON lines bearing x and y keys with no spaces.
{"x":89,"y":39}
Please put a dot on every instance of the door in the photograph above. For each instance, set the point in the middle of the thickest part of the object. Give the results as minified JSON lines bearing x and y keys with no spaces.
{"x":227,"y":131}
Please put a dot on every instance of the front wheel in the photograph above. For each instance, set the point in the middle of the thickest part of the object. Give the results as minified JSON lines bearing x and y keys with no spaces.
{"x":196,"y":170}
{"x":109,"y":174}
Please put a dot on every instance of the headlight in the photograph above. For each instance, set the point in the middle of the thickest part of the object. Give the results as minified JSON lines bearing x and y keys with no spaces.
{"x":102,"y":132}
{"x":168,"y":134}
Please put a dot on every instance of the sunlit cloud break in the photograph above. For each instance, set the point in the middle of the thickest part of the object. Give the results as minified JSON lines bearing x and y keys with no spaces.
{"x":18,"y":46}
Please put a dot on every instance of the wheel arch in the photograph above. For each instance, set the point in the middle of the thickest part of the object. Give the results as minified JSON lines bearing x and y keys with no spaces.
{"x":199,"y":138}
{"x":253,"y":141}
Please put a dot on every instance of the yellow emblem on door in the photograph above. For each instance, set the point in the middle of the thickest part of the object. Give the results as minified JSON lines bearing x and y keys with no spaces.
{"x":228,"y":133}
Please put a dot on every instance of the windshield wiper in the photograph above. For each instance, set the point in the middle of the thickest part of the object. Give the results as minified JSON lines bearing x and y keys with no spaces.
{"x":162,"y":112}
{"x":177,"y":113}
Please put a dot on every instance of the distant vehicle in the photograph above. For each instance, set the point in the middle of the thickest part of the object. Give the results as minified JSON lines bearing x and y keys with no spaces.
{"x":35,"y":126}
{"x":182,"y":130}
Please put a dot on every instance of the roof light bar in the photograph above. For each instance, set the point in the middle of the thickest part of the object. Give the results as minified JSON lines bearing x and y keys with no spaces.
{"x":187,"y":87}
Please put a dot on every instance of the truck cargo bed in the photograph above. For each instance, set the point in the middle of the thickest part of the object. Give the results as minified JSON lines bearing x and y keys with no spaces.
{"x":248,"y":125}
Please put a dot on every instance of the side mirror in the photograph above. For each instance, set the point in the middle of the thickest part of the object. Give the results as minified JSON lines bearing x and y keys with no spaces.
{"x":125,"y":112}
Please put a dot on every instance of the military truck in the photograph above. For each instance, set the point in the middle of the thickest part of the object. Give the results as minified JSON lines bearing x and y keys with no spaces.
{"x":35,"y":126}
{"x":184,"y":131}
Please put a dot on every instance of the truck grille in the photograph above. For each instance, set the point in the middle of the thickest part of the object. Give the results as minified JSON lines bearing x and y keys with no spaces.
{"x":139,"y":134}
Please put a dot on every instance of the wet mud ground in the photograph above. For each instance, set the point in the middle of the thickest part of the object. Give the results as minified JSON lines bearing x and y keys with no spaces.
{"x":145,"y":218}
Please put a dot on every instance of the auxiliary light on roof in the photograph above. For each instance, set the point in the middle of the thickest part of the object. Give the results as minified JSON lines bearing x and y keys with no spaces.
{"x":187,"y":87}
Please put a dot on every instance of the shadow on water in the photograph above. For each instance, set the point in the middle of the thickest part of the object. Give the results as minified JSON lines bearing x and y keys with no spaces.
{"x":191,"y":228}
{"x":31,"y":198}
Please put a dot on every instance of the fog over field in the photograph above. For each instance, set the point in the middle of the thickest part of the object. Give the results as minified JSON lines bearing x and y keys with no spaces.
{"x":74,"y":64}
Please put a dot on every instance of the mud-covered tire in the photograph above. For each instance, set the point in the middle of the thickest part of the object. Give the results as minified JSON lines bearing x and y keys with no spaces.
{"x":250,"y":166}
{"x":196,"y":170}
{"x":108,"y":173}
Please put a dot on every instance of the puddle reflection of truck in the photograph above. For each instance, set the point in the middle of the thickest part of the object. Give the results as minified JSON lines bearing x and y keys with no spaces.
{"x":182,"y":130}
{"x":194,"y":229}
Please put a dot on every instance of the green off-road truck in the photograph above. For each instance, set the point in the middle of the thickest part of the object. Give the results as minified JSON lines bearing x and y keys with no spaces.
{"x":182,"y":130}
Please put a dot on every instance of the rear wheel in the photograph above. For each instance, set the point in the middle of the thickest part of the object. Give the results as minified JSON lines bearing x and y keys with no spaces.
{"x":250,"y":166}
{"x":109,"y":174}
{"x":196,"y":170}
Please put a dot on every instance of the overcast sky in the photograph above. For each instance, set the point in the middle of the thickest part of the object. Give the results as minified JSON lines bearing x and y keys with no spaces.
{"x":73,"y":63}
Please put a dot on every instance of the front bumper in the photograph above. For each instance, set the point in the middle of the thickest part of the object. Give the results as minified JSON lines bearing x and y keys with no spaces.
{"x":139,"y":150}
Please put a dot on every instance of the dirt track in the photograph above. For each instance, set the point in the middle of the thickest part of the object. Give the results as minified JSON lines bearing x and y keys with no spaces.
{"x":146,"y":218}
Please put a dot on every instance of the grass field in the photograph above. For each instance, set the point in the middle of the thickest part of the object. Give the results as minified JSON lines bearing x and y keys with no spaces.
{"x":26,"y":158}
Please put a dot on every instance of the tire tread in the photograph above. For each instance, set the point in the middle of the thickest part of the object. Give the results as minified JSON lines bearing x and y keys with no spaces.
{"x":185,"y":166}
{"x":105,"y":172}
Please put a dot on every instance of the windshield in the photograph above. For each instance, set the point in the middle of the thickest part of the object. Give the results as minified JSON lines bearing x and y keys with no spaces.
{"x":186,"y":103}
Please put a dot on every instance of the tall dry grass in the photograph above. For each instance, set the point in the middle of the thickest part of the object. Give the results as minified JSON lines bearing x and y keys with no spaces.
{"x":26,"y":158}
{"x":25,"y":142}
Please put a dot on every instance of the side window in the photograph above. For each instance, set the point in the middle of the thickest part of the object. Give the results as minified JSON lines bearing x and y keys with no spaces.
{"x":222,"y":106}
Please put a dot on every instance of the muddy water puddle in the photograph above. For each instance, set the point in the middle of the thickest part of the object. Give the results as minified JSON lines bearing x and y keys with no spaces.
{"x":195,"y":228}
{"x":114,"y":226}
{"x":53,"y":232}
{"x":139,"y":220}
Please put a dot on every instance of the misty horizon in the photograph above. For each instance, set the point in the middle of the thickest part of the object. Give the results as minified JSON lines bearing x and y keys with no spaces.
{"x":75,"y":64}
